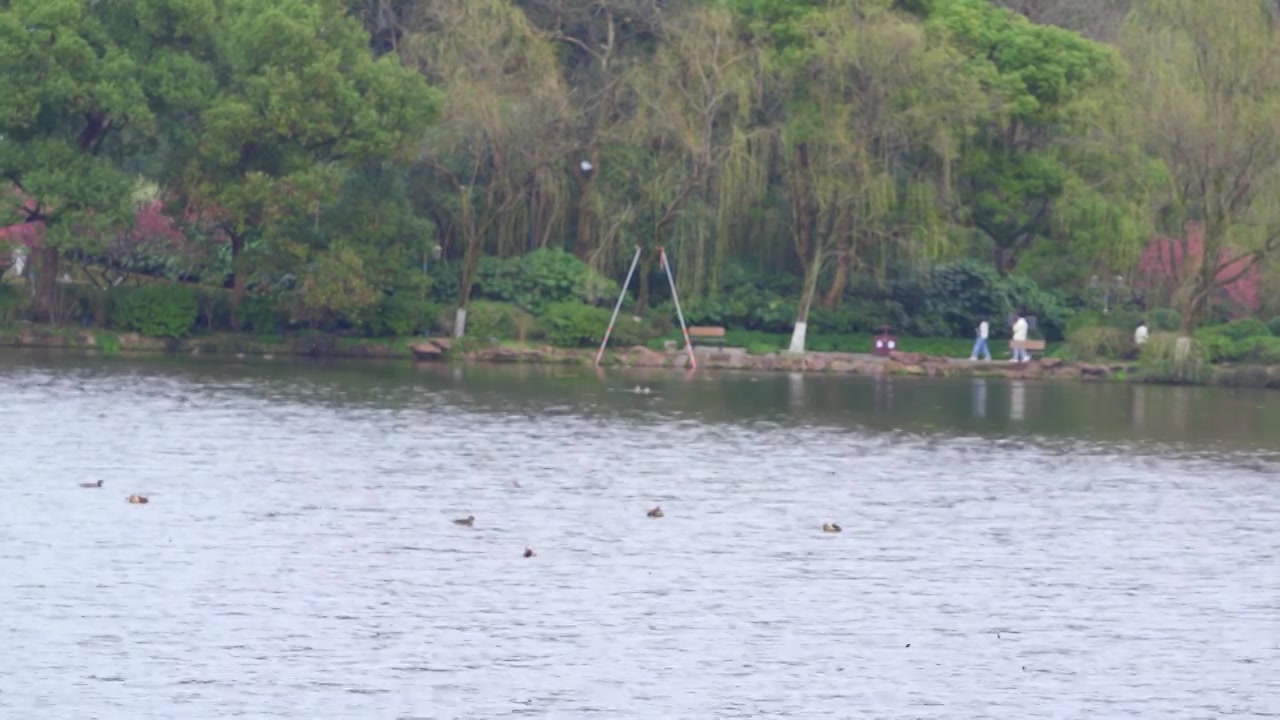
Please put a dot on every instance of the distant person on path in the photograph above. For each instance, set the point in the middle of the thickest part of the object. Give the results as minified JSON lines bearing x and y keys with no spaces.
{"x":1141,"y":334}
{"x":980,"y":345}
{"x":1020,"y":337}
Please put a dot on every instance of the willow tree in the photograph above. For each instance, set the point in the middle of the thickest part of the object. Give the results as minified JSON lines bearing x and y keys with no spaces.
{"x":868,"y":143}
{"x":598,"y":42}
{"x":495,"y":157}
{"x":690,"y":103}
{"x":1207,"y":78}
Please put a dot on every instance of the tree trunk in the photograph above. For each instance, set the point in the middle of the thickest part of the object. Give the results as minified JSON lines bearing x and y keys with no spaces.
{"x":1196,"y":310}
{"x":806,"y":302}
{"x":46,"y":296}
{"x":838,"y":283}
{"x":802,"y":229}
{"x":642,"y":297}
{"x":1005,"y":260}
{"x":470,"y":263}
{"x":239,"y":283}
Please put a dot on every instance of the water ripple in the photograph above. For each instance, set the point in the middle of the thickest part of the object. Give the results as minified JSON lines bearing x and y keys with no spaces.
{"x":297,"y":559}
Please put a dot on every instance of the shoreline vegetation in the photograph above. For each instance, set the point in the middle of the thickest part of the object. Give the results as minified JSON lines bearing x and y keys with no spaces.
{"x":671,"y":356}
{"x":795,"y":175}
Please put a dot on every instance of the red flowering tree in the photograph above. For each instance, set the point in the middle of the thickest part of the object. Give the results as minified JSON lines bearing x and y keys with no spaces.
{"x":153,"y":244}
{"x":1170,"y":266}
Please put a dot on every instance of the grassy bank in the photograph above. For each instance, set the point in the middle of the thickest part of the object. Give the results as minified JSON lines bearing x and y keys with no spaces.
{"x":760,"y":343}
{"x":229,"y":344}
{"x":1230,"y":356}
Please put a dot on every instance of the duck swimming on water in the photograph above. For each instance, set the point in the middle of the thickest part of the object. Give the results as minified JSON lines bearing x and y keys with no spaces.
{"x":656,"y":512}
{"x":91,"y":484}
{"x":138,"y":500}
{"x":831,"y":528}
{"x":468,"y":521}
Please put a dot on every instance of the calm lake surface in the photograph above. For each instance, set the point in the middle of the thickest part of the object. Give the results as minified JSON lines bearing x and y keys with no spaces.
{"x":1010,"y":550}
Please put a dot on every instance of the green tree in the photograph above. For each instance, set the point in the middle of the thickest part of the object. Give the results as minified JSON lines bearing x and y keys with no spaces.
{"x":80,"y":89}
{"x":299,"y":98}
{"x":1047,"y":86}
{"x":335,"y":287}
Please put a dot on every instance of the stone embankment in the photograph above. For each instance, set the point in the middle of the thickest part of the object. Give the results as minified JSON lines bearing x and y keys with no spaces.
{"x":445,"y":349}
{"x":812,"y":362}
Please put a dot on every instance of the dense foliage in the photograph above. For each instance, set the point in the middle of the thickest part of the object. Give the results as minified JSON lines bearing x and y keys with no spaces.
{"x":368,"y":166}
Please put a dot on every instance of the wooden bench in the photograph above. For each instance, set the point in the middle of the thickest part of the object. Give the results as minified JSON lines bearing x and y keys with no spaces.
{"x":1029,"y":345}
{"x":707,"y":335}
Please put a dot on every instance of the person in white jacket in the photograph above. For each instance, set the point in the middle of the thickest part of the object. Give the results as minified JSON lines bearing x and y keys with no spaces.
{"x":980,"y":345}
{"x":1020,"y":336}
{"x":1141,"y":334}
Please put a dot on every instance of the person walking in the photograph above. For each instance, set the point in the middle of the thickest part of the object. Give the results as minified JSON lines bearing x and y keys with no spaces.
{"x":1020,"y":339}
{"x":980,"y":345}
{"x":1141,"y":334}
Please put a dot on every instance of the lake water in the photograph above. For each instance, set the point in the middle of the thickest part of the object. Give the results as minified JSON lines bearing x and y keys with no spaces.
{"x":1010,"y":550}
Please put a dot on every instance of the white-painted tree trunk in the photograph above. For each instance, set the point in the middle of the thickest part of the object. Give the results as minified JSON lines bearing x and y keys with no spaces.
{"x":460,"y":323}
{"x":1181,"y":350}
{"x":797,"y":338}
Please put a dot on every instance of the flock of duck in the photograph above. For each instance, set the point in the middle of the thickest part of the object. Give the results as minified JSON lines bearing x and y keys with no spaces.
{"x":133,"y":499}
{"x":655,"y":512}
{"x":468,"y":521}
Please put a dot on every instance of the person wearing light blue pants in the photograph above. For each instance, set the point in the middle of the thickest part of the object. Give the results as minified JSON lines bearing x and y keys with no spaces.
{"x":980,"y":345}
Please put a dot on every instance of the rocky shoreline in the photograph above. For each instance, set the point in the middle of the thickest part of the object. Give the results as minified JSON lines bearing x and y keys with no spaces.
{"x":911,"y":364}
{"x":447,"y":350}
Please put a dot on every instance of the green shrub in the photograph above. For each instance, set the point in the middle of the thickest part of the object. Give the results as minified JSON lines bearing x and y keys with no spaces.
{"x":214,"y":309}
{"x":859,"y":315}
{"x":401,"y":316}
{"x":1263,"y":350}
{"x":499,"y":321}
{"x":1164,"y":320}
{"x":578,"y":325}
{"x":84,"y":304}
{"x":1126,"y":320}
{"x":155,"y":310}
{"x":264,"y":314}
{"x":1243,"y":328}
{"x":1094,"y":343}
{"x":949,"y":300}
{"x":541,"y":278}
{"x":1274,"y":325}
{"x":14,"y":304}
{"x":1217,"y":347}
{"x":745,"y":308}
{"x":1161,"y":360}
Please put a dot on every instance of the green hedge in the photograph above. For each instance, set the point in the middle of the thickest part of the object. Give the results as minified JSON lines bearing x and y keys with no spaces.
{"x":155,"y":310}
{"x":947,"y":301}
{"x":540,"y":279}
{"x":498,"y":321}
{"x":15,"y":303}
{"x":578,"y":325}
{"x":402,"y":316}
